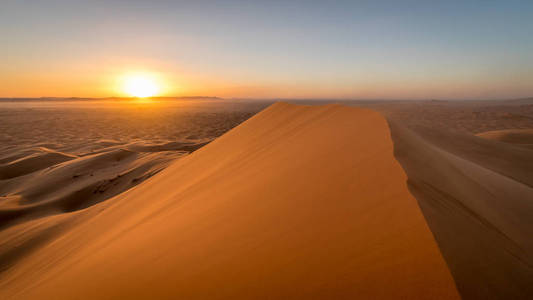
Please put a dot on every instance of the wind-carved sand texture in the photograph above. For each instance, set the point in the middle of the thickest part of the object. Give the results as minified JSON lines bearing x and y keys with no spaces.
{"x":328,"y":202}
{"x":476,"y":192}
{"x":296,"y":202}
{"x":61,"y":157}
{"x":477,"y":196}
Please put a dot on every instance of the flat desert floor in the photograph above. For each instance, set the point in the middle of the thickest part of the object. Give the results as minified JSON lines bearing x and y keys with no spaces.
{"x":220,"y":199}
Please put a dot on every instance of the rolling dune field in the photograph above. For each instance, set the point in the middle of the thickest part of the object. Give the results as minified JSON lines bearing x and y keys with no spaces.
{"x":247,"y":200}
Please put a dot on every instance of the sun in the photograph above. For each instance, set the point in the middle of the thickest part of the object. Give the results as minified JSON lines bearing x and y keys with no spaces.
{"x":140,"y":86}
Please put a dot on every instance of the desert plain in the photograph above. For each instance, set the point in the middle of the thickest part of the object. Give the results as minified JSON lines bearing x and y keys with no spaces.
{"x":241,"y":199}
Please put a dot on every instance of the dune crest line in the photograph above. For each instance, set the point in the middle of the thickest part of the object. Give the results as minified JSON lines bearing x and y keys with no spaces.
{"x":296,"y":202}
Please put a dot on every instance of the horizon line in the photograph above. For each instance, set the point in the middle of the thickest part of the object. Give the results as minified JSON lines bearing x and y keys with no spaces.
{"x":263,"y":99}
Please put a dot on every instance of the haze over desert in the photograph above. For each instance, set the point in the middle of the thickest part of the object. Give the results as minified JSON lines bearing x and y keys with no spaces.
{"x":266,"y":149}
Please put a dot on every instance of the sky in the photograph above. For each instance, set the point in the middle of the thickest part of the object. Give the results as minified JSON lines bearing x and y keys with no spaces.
{"x":381,"y":49}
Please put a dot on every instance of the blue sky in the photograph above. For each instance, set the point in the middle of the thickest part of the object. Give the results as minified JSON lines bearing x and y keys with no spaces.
{"x":301,"y":49}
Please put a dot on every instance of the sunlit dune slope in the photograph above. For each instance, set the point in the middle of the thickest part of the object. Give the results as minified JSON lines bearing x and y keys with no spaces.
{"x":297,"y":202}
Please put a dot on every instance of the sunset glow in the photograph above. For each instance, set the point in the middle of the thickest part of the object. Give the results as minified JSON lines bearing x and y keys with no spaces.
{"x":140,"y":86}
{"x":380,"y":49}
{"x":376,"y":149}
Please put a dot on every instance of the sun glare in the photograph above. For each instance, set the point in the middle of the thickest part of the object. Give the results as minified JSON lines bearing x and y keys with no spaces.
{"x":140,"y":86}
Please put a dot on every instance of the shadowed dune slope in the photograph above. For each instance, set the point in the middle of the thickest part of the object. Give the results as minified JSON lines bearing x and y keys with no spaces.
{"x":297,"y":202}
{"x":76,"y":184}
{"x":477,"y":197}
{"x":33,"y":163}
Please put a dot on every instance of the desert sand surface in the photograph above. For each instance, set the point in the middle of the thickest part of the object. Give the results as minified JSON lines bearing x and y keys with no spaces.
{"x":63,"y":156}
{"x":477,"y":198}
{"x":389,"y":199}
{"x":242,"y":218}
{"x":518,"y":137}
{"x":471,"y":171}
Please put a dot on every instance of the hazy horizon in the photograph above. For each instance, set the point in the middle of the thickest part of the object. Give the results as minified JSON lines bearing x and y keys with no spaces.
{"x":263,"y":98}
{"x":282,"y":149}
{"x":250,"y":49}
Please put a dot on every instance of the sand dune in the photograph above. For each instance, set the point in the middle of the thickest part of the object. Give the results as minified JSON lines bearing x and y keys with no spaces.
{"x":476,"y":195}
{"x":56,"y":159}
{"x":31,"y":163}
{"x":77,"y":183}
{"x":37,"y":197}
{"x":297,"y":202}
{"x":519,"y":137}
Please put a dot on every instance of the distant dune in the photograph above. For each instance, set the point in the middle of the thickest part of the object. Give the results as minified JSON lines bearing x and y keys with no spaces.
{"x":297,"y":202}
{"x":47,"y":183}
{"x":31,"y":163}
{"x":519,"y":137}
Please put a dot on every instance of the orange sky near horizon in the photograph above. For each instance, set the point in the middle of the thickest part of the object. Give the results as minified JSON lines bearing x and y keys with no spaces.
{"x":107,"y":84}
{"x":72,"y":79}
{"x":349,"y":50}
